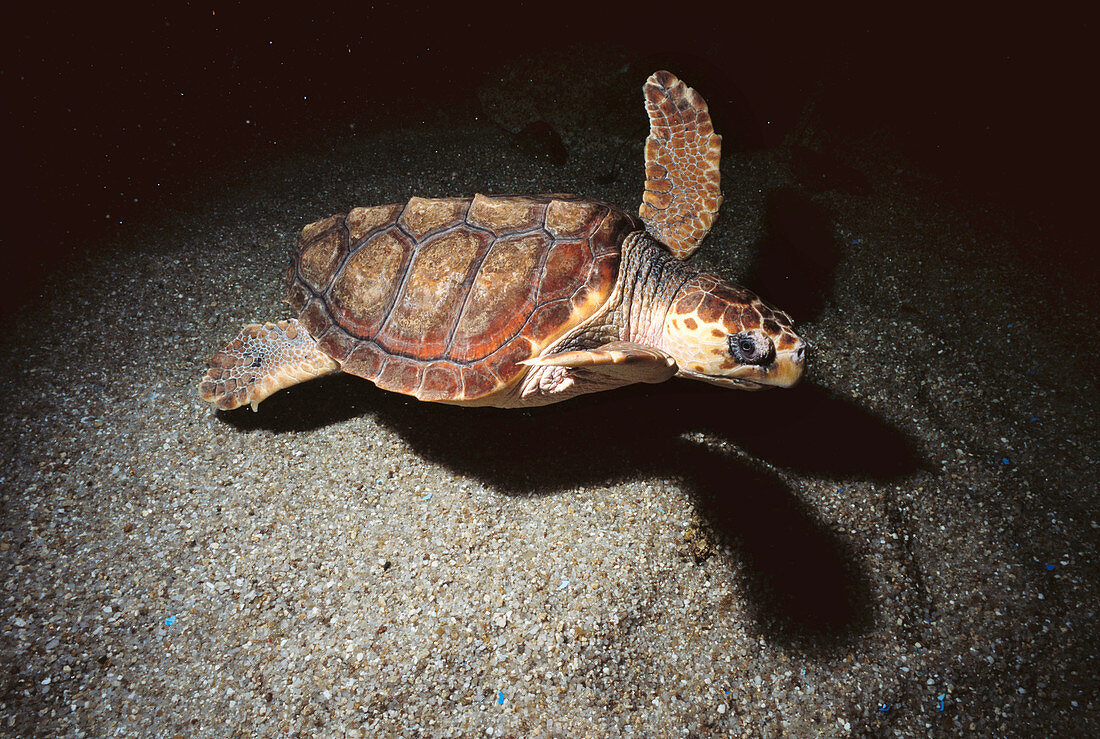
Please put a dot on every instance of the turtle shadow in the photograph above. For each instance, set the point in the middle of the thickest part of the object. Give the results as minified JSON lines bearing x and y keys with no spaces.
{"x":805,"y":584}
{"x":597,"y":438}
{"x":806,"y":587}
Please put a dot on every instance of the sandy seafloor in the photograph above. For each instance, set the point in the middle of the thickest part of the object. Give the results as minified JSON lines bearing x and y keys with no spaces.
{"x":906,"y":544}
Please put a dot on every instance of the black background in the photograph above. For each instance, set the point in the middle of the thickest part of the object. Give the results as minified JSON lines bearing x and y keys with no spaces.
{"x":107,"y":113}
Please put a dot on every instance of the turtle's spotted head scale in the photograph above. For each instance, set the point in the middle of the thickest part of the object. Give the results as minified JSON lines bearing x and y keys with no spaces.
{"x":723,"y":334}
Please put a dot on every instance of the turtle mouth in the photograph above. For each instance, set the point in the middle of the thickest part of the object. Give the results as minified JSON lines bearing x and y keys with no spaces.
{"x":735,"y":382}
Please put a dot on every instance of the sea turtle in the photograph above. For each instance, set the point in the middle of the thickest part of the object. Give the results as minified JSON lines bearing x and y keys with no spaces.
{"x":516,"y":301}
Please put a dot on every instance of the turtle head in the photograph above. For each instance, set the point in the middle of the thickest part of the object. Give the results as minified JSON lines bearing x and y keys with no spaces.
{"x":723,"y":334}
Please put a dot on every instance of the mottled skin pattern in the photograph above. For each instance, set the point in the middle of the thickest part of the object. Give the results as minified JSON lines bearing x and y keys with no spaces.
{"x":682,"y":192}
{"x":282,"y":347}
{"x":715,"y":327}
{"x":523,"y":300}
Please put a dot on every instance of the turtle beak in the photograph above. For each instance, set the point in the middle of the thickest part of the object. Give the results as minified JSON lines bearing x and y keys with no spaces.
{"x":788,"y":366}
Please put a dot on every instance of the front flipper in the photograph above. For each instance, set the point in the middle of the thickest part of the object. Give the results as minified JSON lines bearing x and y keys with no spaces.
{"x":682,"y":181}
{"x":566,"y":374}
{"x":261,"y":361}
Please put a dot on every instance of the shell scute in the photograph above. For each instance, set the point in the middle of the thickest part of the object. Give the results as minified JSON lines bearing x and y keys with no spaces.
{"x":611,"y":232}
{"x":604,"y":270}
{"x":571,"y":219}
{"x":317,"y":262}
{"x":563,"y":262}
{"x":546,"y":323}
{"x":401,"y":374}
{"x":423,"y":217}
{"x":478,"y":381}
{"x":506,"y":215}
{"x":442,"y":381}
{"x":337,"y":344}
{"x":365,"y":360}
{"x":502,"y":361}
{"x":364,"y":291}
{"x":315,"y":318}
{"x":313,"y":230}
{"x":361,"y":222}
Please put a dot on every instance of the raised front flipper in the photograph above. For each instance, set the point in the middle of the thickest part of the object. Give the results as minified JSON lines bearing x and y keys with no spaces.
{"x":261,"y":361}
{"x":564,"y":375}
{"x":682,"y":190}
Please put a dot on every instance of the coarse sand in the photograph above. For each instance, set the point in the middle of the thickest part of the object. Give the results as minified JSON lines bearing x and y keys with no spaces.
{"x":906,"y":544}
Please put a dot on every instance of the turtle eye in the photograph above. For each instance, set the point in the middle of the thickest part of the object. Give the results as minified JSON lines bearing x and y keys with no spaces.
{"x":748,"y":347}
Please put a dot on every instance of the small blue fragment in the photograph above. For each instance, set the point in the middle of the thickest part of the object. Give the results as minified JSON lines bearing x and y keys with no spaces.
{"x":169,"y":621}
{"x":500,"y":698}
{"x":1004,"y":460}
{"x":884,"y":707}
{"x":1050,"y":567}
{"x":427,"y":497}
{"x":940,"y":699}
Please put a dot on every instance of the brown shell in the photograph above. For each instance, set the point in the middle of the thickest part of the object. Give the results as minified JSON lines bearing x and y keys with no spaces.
{"x":442,"y":298}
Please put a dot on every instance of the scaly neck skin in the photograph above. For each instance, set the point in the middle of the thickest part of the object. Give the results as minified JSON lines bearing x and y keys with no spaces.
{"x":649,"y":280}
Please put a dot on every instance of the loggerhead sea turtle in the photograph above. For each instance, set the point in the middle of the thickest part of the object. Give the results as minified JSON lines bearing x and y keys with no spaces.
{"x":517,"y":301}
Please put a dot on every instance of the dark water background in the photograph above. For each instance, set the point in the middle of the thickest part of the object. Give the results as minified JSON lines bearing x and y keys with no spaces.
{"x":110,"y":114}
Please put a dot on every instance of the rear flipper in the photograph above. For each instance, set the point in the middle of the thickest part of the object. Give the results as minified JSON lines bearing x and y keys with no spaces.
{"x":261,"y":361}
{"x":563,"y":375}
